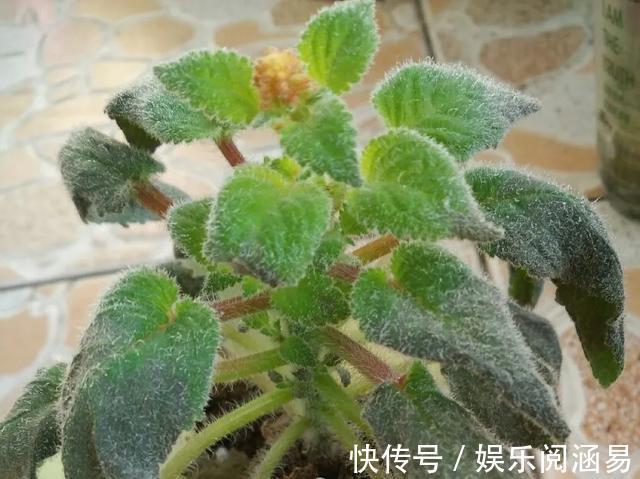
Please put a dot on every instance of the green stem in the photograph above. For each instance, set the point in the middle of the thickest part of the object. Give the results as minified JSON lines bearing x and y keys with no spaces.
{"x":338,"y":398}
{"x":340,"y":429}
{"x":287,"y":439}
{"x":243,"y":367}
{"x":265,"y":404}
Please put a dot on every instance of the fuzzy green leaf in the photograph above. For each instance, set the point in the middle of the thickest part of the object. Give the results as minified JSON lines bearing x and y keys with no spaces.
{"x":413,"y":189}
{"x":315,"y":301}
{"x":268,"y":223}
{"x":30,"y":432}
{"x":219,"y":84}
{"x":101,"y":173}
{"x":524,"y":289}
{"x":551,"y":233}
{"x":296,"y":350}
{"x":421,"y":414}
{"x":147,"y":352}
{"x":324,"y":139}
{"x":339,"y":43}
{"x":542,"y":340}
{"x":187,"y":226}
{"x":445,"y":313}
{"x":461,"y":109}
{"x":149,"y":115}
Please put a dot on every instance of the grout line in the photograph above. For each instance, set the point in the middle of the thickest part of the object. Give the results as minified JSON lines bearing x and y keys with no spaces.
{"x":424,"y":27}
{"x":72,"y":276}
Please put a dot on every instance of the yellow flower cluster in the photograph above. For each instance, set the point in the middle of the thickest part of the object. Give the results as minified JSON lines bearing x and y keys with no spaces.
{"x":280,"y":78}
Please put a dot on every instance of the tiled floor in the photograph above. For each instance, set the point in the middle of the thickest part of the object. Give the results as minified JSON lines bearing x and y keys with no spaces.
{"x":60,"y":60}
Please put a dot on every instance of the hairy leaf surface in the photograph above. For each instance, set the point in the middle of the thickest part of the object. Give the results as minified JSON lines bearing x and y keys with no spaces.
{"x":445,"y":313}
{"x":524,"y":289}
{"x":268,"y":223}
{"x":101,"y":175}
{"x":149,"y":115}
{"x":187,"y":225}
{"x":339,"y":43}
{"x":217,"y":83}
{"x":461,"y":109}
{"x":551,"y":233}
{"x":324,"y":139}
{"x":30,"y":432}
{"x":315,"y":301}
{"x":413,"y":189}
{"x":420,"y":414}
{"x":148,"y":353}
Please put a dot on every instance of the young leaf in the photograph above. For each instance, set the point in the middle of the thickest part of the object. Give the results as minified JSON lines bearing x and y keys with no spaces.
{"x":268,"y":223}
{"x":542,"y":340}
{"x":414,"y":190}
{"x":149,"y":115}
{"x":187,"y":226}
{"x":420,"y":414}
{"x":339,"y":43}
{"x":149,"y":354}
{"x":296,"y":350}
{"x":461,"y":109}
{"x":445,"y":313}
{"x":315,"y":301}
{"x":217,"y":83}
{"x":324,"y":139}
{"x":552,"y":234}
{"x":524,"y":289}
{"x":101,"y":174}
{"x":30,"y":432}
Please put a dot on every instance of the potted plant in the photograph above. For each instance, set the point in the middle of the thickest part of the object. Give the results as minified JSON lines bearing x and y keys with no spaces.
{"x":313,"y":287}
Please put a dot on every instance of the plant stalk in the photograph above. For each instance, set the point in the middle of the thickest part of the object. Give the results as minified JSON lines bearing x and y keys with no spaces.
{"x":375,"y":249}
{"x":278,"y":449}
{"x":230,"y":151}
{"x":243,"y":367}
{"x":239,"y":306}
{"x":247,"y":413}
{"x":367,"y":363}
{"x":151,"y":198}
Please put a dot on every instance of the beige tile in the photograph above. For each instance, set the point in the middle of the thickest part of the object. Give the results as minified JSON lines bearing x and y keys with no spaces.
{"x":632,"y":290}
{"x":533,"y":149}
{"x":514,"y":14}
{"x":22,"y":337}
{"x":18,"y":166}
{"x":8,"y":274}
{"x":81,"y":301}
{"x":72,"y":41}
{"x":36,"y":219}
{"x":112,"y":74}
{"x":153,"y":37}
{"x":294,"y":12}
{"x":519,"y":59}
{"x":612,"y":415}
{"x":78,"y":112}
{"x":65,"y":90}
{"x":241,"y":33}
{"x":14,"y":104}
{"x":58,"y":75}
{"x":436,"y":7}
{"x":392,"y":53}
{"x":115,"y":9}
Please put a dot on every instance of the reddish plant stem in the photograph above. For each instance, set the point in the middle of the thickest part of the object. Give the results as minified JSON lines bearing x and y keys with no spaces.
{"x":367,"y":363}
{"x":375,"y":249}
{"x":235,"y":307}
{"x":230,"y":151}
{"x":239,"y":306}
{"x":152,"y":198}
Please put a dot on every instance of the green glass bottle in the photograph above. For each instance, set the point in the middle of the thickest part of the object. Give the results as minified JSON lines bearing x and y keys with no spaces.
{"x":617,"y":40}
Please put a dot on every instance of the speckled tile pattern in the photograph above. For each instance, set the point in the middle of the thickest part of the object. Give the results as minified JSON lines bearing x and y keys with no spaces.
{"x":544,"y":47}
{"x":60,"y":60}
